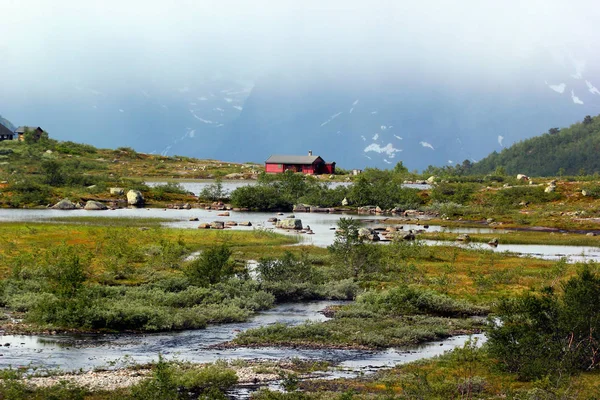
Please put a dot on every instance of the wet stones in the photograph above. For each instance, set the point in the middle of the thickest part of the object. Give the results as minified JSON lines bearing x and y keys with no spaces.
{"x":64,"y":204}
{"x":135,"y":198}
{"x":92,"y":205}
{"x":463,"y":238}
{"x":289,"y":223}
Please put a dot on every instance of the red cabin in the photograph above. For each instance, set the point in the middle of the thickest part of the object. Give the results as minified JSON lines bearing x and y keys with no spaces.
{"x":309,"y":165}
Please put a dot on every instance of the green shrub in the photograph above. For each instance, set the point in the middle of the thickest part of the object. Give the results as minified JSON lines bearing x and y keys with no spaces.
{"x":513,"y":196}
{"x":212,"y":266}
{"x":544,"y":334}
{"x":410,"y":300}
{"x":460,"y":193}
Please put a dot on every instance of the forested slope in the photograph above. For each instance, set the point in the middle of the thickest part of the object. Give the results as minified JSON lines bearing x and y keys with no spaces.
{"x":567,"y":151}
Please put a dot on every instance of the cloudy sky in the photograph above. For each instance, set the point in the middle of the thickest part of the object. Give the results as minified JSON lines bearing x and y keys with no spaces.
{"x":46,"y":44}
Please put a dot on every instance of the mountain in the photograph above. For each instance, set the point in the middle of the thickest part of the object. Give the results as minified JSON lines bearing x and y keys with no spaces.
{"x":7,"y":123}
{"x":560,"y":151}
{"x":356,"y":117}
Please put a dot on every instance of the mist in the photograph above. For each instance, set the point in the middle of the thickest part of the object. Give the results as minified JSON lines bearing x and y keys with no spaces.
{"x":116,"y":44}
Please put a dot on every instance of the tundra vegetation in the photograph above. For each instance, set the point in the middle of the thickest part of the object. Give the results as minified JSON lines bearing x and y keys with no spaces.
{"x":90,"y":274}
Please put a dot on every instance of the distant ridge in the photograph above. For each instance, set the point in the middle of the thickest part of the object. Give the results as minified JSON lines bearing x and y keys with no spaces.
{"x":7,"y":123}
{"x":566,"y":151}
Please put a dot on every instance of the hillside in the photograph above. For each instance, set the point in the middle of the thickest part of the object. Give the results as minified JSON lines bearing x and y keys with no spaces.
{"x":7,"y":123}
{"x":567,"y":151}
{"x":43,"y":172}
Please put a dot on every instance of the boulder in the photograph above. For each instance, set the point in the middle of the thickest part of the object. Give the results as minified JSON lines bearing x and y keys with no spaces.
{"x":584,"y":192}
{"x":374,"y":237}
{"x":463,"y":238}
{"x":522,"y":177}
{"x":204,"y":226}
{"x":364,"y":232}
{"x":314,"y":209}
{"x":223,"y":214}
{"x":272,"y":219}
{"x":409,"y":236}
{"x":92,"y":205}
{"x":493,"y":242}
{"x":64,"y":204}
{"x":217,"y":225}
{"x":550,"y":189}
{"x":186,"y":206}
{"x":590,"y":234}
{"x":135,"y":198}
{"x":345,"y":202}
{"x":290,"y":223}
{"x":430,"y":180}
{"x":193,"y":219}
{"x":245,"y":223}
{"x":301,"y":208}
{"x":116,"y":191}
{"x":231,"y":223}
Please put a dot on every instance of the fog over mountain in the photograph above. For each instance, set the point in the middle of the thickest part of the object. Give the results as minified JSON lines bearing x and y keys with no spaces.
{"x":360,"y":83}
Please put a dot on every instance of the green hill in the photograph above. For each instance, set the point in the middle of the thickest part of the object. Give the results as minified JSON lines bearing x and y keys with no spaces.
{"x":7,"y":123}
{"x":568,"y":151}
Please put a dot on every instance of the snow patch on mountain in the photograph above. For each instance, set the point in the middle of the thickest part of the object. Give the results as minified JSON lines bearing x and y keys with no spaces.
{"x":205,"y":121}
{"x":426,"y":144}
{"x":560,"y":88}
{"x":334,"y":116}
{"x":579,"y":68}
{"x":388,"y":149}
{"x":592,"y":88}
{"x":576,"y":99}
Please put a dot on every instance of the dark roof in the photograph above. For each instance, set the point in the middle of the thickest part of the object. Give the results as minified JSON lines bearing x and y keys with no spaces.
{"x":22,"y":129}
{"x":279,"y":159}
{"x":5,"y":131}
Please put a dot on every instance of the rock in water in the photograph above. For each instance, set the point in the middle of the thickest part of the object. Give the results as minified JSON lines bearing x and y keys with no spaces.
{"x":64,"y":204}
{"x":290,"y":223}
{"x":135,"y":198}
{"x":116,"y":191}
{"x":217,"y":225}
{"x":92,"y":205}
{"x":493,"y":242}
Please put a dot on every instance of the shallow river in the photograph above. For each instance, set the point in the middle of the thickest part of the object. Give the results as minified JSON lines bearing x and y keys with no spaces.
{"x":85,"y":352}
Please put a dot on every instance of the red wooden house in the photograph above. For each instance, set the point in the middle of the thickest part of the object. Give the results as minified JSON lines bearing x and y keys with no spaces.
{"x":310,"y":165}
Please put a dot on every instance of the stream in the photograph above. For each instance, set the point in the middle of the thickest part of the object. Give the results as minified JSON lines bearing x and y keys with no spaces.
{"x":76,"y":352}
